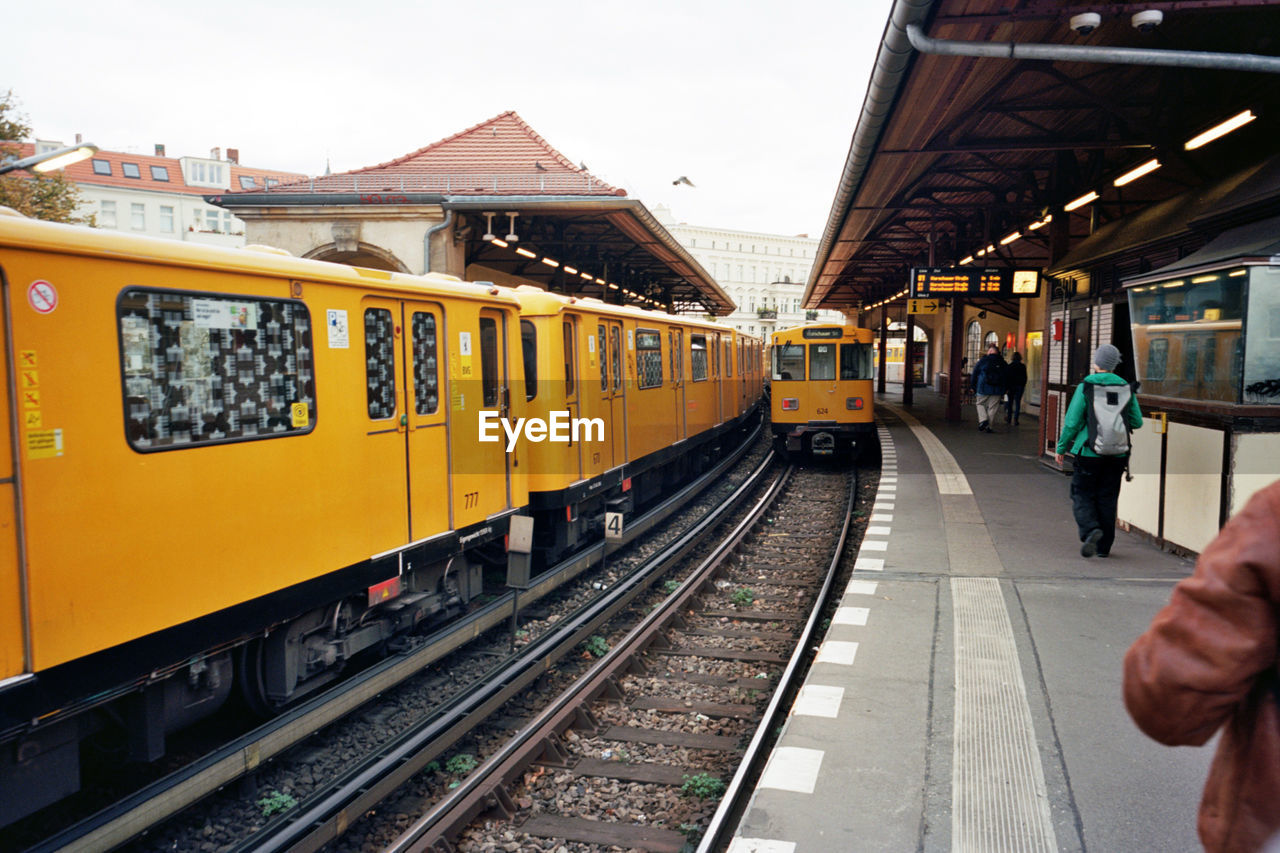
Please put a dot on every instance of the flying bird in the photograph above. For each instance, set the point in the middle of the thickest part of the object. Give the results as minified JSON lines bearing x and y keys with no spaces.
{"x":682,"y":180}
{"x":539,"y":166}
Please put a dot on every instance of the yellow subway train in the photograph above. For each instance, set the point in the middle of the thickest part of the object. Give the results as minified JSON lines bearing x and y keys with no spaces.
{"x":235,"y":470}
{"x":821,"y":394}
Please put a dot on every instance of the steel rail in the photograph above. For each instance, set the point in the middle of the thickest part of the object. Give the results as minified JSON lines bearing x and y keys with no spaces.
{"x":725,"y":820}
{"x":486,"y":787}
{"x":326,"y":815}
{"x":130,"y":817}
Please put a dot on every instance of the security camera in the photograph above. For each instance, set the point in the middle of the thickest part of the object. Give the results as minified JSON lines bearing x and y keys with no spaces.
{"x":1085,"y":22}
{"x":1147,"y":20}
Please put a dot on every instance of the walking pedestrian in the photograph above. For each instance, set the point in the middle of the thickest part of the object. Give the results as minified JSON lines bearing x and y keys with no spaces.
{"x":987,"y":384}
{"x":1015,"y":377}
{"x":1102,"y":413}
{"x":1208,"y":662}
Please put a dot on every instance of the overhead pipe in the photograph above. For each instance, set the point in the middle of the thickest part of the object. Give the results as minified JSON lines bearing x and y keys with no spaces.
{"x":426,"y":240}
{"x":1086,"y":53}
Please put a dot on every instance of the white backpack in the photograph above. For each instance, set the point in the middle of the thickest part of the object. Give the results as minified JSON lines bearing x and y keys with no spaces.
{"x":1108,"y":431}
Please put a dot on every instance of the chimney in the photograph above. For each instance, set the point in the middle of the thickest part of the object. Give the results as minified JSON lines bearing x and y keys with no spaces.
{"x":233,"y":154}
{"x":215,"y":154}
{"x":79,"y":138}
{"x":159,"y":150}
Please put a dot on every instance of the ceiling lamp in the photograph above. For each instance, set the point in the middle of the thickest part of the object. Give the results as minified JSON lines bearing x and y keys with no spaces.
{"x":1233,"y":123}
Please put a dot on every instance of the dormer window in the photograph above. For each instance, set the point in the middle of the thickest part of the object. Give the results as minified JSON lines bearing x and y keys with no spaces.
{"x":101,"y":167}
{"x":131,"y":170}
{"x":248,"y":183}
{"x":159,"y":173}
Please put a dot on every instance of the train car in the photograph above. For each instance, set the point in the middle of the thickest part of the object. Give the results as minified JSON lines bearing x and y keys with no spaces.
{"x":654,"y":396}
{"x":821,"y":390}
{"x":225,"y":468}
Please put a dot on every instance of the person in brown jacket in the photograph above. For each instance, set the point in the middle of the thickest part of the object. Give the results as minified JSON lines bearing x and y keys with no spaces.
{"x":1209,"y":658}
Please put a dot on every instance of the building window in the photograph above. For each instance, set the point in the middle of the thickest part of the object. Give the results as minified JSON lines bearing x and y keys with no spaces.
{"x":159,"y":173}
{"x":166,"y":218}
{"x":101,"y":167}
{"x":138,"y":217}
{"x":107,"y":214}
{"x":992,"y":339}
{"x":271,"y":182}
{"x":226,"y":222}
{"x":248,"y":183}
{"x":202,"y":369}
{"x":211,"y":220}
{"x":973,"y":343}
{"x":131,"y":170}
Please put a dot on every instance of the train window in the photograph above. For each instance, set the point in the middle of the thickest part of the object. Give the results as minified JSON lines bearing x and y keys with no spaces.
{"x":570,"y":361}
{"x":1190,"y":359}
{"x":649,"y":358}
{"x":855,"y":362}
{"x":822,"y":361}
{"x":489,"y":361}
{"x":426,"y":371}
{"x":604,"y":363}
{"x":380,"y":363}
{"x":615,"y":355}
{"x":728,"y":358}
{"x":1256,"y":360}
{"x":529,"y":349}
{"x":203,"y":369}
{"x":788,"y":362}
{"x":1157,"y":359}
{"x":698,"y":357}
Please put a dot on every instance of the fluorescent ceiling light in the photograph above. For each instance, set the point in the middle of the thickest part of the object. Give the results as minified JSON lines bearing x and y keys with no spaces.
{"x":1081,"y":202}
{"x":1016,"y":235}
{"x":967,"y":260}
{"x":1134,"y":174}
{"x":1233,"y":123}
{"x":503,"y":243}
{"x":525,"y":252}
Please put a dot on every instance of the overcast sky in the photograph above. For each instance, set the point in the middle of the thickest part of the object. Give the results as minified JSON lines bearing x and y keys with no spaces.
{"x":754,"y":101}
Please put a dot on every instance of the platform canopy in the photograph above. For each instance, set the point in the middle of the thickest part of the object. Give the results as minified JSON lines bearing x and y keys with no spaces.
{"x":985,"y":119}
{"x":500,"y":177}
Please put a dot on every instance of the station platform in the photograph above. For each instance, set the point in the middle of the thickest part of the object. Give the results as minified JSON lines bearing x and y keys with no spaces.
{"x":967,"y":695}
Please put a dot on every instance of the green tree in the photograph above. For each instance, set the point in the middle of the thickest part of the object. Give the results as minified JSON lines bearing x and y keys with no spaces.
{"x":41,"y":196}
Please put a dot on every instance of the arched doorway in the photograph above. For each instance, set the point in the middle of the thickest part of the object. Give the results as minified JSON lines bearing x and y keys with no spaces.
{"x":365,"y":255}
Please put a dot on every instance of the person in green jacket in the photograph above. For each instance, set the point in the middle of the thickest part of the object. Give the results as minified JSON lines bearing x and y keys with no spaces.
{"x":1095,"y":479}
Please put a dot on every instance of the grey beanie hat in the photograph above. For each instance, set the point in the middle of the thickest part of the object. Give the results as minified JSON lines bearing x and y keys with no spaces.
{"x":1106,"y":357}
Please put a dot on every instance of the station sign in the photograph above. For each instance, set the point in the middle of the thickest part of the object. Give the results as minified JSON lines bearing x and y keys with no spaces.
{"x":924,"y":306}
{"x":1000,"y":282}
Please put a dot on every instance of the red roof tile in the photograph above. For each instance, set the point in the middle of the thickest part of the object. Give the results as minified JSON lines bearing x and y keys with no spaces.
{"x":501,"y":156}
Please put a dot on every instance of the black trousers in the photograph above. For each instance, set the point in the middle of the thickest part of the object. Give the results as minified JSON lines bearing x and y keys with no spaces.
{"x":1095,"y":491}
{"x":1015,"y":404}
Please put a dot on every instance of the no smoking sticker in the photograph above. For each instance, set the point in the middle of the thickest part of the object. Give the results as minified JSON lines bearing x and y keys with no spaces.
{"x":42,"y":296}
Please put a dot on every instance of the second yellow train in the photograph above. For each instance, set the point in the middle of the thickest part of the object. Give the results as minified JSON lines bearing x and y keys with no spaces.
{"x":821,"y":390}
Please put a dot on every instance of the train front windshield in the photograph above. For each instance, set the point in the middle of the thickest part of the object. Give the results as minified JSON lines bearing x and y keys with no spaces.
{"x":854,"y":362}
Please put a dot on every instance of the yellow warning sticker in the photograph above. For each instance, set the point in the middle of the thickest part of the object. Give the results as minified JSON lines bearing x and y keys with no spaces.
{"x":44,"y":443}
{"x":30,"y":399}
{"x":33,"y":420}
{"x":30,"y":378}
{"x":27,"y":358}
{"x":301,"y":414}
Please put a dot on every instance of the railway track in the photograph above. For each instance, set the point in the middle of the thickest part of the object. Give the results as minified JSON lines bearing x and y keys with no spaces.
{"x":658,"y":741}
{"x":237,"y":763}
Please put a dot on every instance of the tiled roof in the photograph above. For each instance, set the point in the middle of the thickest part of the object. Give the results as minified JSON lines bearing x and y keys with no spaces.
{"x":82,"y":172}
{"x":501,"y":156}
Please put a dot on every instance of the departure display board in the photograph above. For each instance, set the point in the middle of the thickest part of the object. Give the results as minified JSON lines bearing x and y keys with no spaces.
{"x":1002,"y":282}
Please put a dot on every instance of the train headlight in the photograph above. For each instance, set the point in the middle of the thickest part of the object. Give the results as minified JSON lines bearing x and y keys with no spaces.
{"x":853,"y":404}
{"x":790,"y":404}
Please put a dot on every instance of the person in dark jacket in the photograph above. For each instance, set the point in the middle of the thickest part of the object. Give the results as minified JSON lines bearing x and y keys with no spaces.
{"x":987,"y":384}
{"x":1015,"y":382}
{"x":1208,"y":662}
{"x":1095,"y":480}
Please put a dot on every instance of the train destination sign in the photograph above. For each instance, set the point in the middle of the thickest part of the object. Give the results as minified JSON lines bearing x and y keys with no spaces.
{"x":930,"y":282}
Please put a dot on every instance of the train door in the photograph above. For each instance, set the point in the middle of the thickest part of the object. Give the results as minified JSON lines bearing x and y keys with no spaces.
{"x":613,"y":393}
{"x":713,"y":345}
{"x":675,"y":337}
{"x":478,"y":375}
{"x":426,"y":424}
{"x":386,"y":428}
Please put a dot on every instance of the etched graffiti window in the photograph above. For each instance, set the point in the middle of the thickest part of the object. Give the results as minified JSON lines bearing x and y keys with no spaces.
{"x":570,"y":361}
{"x":380,"y":362}
{"x":698,"y":357}
{"x":201,"y":369}
{"x":1157,"y":358}
{"x":615,"y":355}
{"x":604,"y":363}
{"x":426,"y":367}
{"x":649,"y":358}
